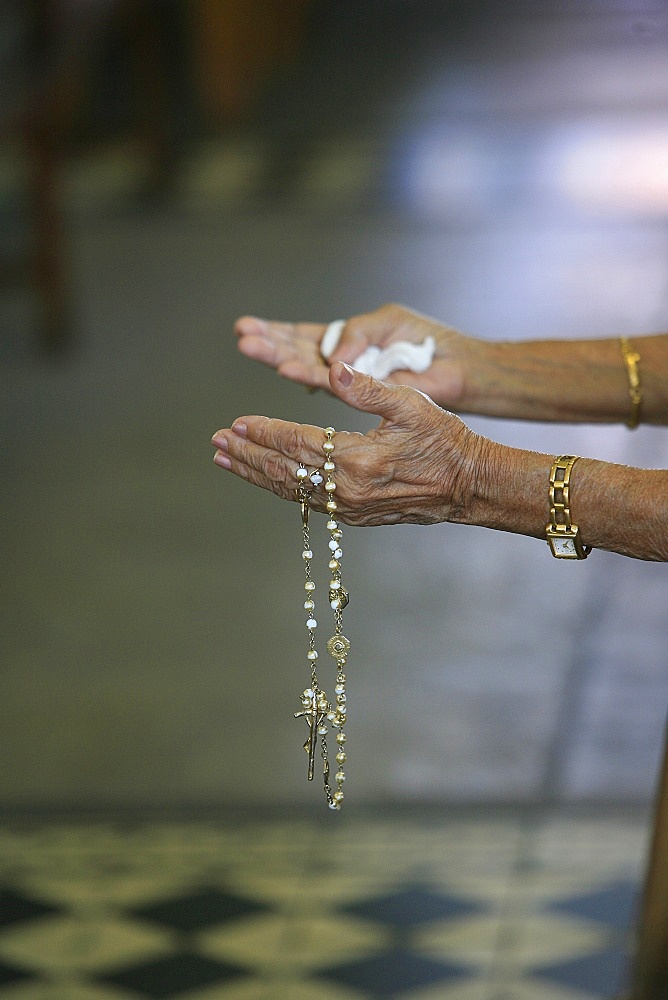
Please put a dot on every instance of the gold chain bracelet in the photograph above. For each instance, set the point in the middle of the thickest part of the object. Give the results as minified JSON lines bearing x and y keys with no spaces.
{"x":631,"y":362}
{"x":316,"y":707}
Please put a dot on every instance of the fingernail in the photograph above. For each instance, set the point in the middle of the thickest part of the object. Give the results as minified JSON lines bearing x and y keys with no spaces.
{"x":222,"y":460}
{"x":240,"y":430}
{"x":346,"y":374}
{"x":219,"y":441}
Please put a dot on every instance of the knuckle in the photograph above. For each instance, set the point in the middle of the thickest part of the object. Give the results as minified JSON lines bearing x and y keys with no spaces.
{"x":273,"y":467}
{"x":291,"y":444}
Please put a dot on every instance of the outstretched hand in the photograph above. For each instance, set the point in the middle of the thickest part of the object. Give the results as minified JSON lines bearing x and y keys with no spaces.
{"x":293,"y":349}
{"x":419,"y":465}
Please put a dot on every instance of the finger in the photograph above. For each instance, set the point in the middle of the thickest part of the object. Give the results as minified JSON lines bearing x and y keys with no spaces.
{"x":261,"y":466}
{"x":294,"y":442}
{"x":352,"y":343}
{"x":315,"y":375}
{"x":274,"y":342}
{"x":397,"y":403}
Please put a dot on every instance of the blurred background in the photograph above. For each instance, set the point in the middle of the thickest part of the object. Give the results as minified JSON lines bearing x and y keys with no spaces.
{"x":167,"y":166}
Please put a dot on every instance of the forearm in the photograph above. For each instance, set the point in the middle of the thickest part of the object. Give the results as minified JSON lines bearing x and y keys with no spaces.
{"x":616,"y":507}
{"x":561,"y":380}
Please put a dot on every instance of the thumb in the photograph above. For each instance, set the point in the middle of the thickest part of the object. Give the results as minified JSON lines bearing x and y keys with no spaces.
{"x":395,"y":403}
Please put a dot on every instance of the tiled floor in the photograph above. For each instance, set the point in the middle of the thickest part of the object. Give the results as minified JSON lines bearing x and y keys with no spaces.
{"x":435,"y":906}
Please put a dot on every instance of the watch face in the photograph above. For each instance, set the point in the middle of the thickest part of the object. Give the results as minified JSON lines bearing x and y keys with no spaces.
{"x":564,"y":547}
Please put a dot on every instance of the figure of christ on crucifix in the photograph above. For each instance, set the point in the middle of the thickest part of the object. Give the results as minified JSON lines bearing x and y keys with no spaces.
{"x":315,"y":712}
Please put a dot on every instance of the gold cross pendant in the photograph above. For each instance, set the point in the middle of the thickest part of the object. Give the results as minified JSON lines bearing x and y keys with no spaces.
{"x":314,"y":718}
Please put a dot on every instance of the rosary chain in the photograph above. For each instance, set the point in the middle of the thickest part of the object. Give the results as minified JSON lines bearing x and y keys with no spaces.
{"x":316,"y":707}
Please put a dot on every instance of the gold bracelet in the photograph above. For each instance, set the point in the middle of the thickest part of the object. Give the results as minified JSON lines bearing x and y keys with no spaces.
{"x":631,"y":362}
{"x":563,"y":536}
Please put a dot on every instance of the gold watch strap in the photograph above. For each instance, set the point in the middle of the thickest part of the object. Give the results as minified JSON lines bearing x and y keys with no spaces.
{"x":562,"y":535}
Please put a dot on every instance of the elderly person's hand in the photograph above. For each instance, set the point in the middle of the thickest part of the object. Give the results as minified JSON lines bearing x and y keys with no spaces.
{"x":419,"y":465}
{"x":293,"y":349}
{"x":551,"y":380}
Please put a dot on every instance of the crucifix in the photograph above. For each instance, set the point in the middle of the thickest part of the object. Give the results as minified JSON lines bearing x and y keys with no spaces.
{"x":315,"y":716}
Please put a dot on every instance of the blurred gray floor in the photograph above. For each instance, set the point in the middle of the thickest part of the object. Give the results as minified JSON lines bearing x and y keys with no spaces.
{"x":503,"y":170}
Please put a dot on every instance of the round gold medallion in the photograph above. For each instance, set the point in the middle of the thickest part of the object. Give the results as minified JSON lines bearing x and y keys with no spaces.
{"x":338,"y":646}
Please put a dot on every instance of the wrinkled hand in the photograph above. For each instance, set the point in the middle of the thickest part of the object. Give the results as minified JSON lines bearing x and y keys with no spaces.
{"x":293,"y":349}
{"x":419,"y":465}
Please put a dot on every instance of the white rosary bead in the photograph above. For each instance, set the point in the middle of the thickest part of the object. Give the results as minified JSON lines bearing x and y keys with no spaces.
{"x":307,"y":554}
{"x":301,"y":473}
{"x":334,"y":584}
{"x":340,"y":776}
{"x":335,"y":604}
{"x":341,"y":757}
{"x":312,"y":654}
{"x":311,"y":623}
{"x":309,"y":585}
{"x":338,"y":553}
{"x":331,"y":505}
{"x":333,"y":564}
{"x":333,"y":544}
{"x":332,"y":525}
{"x":329,"y":466}
{"x":309,"y":605}
{"x":330,"y":486}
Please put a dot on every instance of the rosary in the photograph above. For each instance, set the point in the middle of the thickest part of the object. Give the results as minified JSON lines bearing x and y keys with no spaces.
{"x":316,"y":707}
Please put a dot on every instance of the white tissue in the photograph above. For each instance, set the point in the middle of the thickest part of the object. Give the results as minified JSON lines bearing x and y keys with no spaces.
{"x":381,"y":362}
{"x":331,"y":338}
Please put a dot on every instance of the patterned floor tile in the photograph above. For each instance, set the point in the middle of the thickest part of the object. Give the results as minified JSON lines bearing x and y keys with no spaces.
{"x":198,"y":910}
{"x":10,"y":974}
{"x":191,"y":912}
{"x":601,"y":973}
{"x":86,"y":942}
{"x":473,"y":941}
{"x":16,"y":908}
{"x":412,"y":906}
{"x":391,"y":973}
{"x":541,"y":938}
{"x":173,"y":975}
{"x":614,"y":905}
{"x":534,"y":989}
{"x":63,"y":989}
{"x":289,"y":945}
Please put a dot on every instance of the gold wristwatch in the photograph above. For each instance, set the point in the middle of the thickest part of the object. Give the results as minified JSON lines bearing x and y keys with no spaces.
{"x":563,"y":536}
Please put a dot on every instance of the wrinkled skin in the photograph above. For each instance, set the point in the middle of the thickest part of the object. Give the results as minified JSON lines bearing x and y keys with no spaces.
{"x":293,"y":349}
{"x":419,"y":465}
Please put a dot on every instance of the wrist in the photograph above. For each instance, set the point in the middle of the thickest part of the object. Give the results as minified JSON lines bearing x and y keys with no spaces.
{"x":506,"y":488}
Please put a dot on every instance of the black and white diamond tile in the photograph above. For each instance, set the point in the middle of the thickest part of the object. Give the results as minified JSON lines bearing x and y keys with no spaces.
{"x":360,"y":910}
